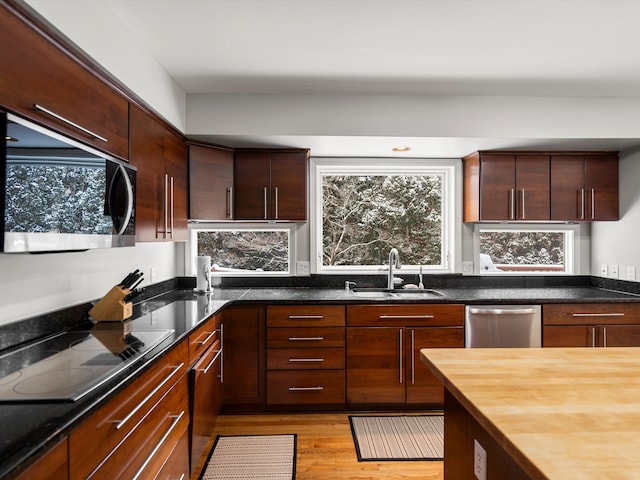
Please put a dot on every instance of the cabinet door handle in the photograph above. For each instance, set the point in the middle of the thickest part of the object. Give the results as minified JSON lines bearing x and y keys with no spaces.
{"x":120,"y":423}
{"x":403,"y":317}
{"x":166,"y":205}
{"x":176,"y":419}
{"x":305,"y":317}
{"x":593,"y":336}
{"x":612,"y":314}
{"x":265,"y":202}
{"x":512,"y":204}
{"x":523,"y":216}
{"x":209,"y":337}
{"x":604,"y":336}
{"x":400,"y":379}
{"x":276,"y":193}
{"x":68,"y":122}
{"x":593,"y":204}
{"x":306,"y":339}
{"x":230,"y":202}
{"x":171,"y":206}
{"x":222,"y":356}
{"x":206,"y":369}
{"x":306,"y":389}
{"x":582,"y":202}
{"x":413,"y":353}
{"x":316,"y":360}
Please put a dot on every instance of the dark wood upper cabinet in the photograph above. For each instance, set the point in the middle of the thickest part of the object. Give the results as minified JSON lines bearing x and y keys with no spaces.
{"x":506,"y":186}
{"x":271,"y":184}
{"x":584,"y":187}
{"x":161,"y":192}
{"x":39,"y":71}
{"x":540,"y":186}
{"x":210,"y":182}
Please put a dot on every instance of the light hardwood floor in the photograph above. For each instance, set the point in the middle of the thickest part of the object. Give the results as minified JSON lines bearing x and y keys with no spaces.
{"x":325,"y":447}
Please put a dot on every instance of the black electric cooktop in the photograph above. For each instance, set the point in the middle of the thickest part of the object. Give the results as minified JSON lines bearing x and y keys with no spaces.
{"x":70,"y":364}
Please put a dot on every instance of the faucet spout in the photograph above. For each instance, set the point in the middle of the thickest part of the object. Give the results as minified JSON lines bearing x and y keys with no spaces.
{"x":394,"y":261}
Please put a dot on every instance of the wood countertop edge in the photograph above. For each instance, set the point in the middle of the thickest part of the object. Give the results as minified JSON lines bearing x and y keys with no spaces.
{"x":501,"y":439}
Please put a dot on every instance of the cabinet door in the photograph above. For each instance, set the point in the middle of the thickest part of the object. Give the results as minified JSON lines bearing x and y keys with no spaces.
{"x":289,"y":185}
{"x":252,"y":195}
{"x":53,"y":465}
{"x":422,"y":386}
{"x":37,"y":71}
{"x":176,"y":168}
{"x":375,"y":365}
{"x":210,"y":183}
{"x":497,"y":187}
{"x":206,"y":399}
{"x":243,"y":356}
{"x":619,"y":335}
{"x":601,"y":185}
{"x":532,"y":187}
{"x":568,"y":201}
{"x":569,"y":336}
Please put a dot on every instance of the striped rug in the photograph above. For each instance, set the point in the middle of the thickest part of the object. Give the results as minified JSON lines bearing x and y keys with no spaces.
{"x":263,"y":457}
{"x":405,"y":437}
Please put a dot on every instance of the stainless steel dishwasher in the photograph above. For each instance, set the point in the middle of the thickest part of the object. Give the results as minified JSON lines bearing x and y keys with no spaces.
{"x":506,"y":326}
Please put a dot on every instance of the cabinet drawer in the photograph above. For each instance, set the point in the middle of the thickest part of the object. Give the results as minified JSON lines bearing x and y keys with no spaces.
{"x":305,"y":337}
{"x":305,"y":358}
{"x":53,"y":465}
{"x":127,"y":411}
{"x":400,"y":315}
{"x":305,"y":315}
{"x":144,"y":452}
{"x":203,"y":338}
{"x":306,"y":387}
{"x":591,"y":314}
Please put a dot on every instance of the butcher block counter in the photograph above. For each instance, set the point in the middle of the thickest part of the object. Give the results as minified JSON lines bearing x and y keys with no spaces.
{"x":554,"y":413}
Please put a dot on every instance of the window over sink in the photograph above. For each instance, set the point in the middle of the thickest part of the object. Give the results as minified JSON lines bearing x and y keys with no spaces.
{"x":363,"y":207}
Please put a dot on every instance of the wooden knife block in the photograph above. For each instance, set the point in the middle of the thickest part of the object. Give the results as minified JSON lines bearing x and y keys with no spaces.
{"x":112,"y":307}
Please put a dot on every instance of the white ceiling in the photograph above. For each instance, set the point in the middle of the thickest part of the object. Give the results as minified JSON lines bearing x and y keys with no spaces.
{"x":539,"y":48}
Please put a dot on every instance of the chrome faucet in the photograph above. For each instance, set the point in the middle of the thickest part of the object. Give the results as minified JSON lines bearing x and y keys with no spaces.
{"x":394,"y":260}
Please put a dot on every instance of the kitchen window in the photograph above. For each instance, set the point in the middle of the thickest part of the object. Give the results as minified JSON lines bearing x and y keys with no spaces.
{"x":247,"y":250}
{"x":526,"y":249}
{"x":361,"y":208}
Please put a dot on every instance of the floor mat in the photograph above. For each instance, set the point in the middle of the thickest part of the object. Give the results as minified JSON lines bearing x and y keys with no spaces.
{"x":263,"y":457}
{"x":405,"y":437}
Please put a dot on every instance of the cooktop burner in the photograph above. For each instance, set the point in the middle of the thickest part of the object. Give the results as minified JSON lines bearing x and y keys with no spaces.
{"x":68,"y":365}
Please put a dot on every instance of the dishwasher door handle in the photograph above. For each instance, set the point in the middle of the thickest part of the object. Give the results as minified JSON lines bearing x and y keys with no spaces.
{"x":501,"y":311}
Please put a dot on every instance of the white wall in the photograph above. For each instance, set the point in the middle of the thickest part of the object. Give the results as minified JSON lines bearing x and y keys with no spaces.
{"x":35,"y":284}
{"x":618,"y":242}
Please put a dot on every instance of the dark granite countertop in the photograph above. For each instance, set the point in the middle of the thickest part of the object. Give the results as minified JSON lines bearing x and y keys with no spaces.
{"x":30,"y":427}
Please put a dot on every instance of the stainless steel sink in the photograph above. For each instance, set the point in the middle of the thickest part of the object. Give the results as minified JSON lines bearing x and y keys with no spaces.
{"x":396,"y":293}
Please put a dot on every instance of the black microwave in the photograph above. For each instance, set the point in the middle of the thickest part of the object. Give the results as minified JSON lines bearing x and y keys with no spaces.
{"x":61,"y":195}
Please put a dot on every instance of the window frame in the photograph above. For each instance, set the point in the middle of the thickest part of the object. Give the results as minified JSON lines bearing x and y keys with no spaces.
{"x":191,"y":250}
{"x":572,"y":254}
{"x":451,"y":171}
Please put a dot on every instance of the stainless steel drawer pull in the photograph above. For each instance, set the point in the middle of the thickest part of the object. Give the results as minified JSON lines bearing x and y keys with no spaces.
{"x":69,"y":122}
{"x":209,"y":337}
{"x":306,"y":317}
{"x":401,"y":317}
{"x":306,"y":389}
{"x":176,"y":419}
{"x":305,"y":339}
{"x":120,"y":423}
{"x":206,"y":369}
{"x":597,"y":314}
{"x":501,"y":311}
{"x":292,"y":360}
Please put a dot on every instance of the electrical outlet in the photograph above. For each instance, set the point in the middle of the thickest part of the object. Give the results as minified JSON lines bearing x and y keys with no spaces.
{"x":631,"y":272}
{"x":479,"y":461}
{"x":604,"y":270}
{"x":613,"y":270}
{"x":302,"y":268}
{"x":467,"y":267}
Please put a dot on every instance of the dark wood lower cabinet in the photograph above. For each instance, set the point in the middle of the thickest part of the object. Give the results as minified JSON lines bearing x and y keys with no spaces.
{"x":591,"y":336}
{"x":243,"y":333}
